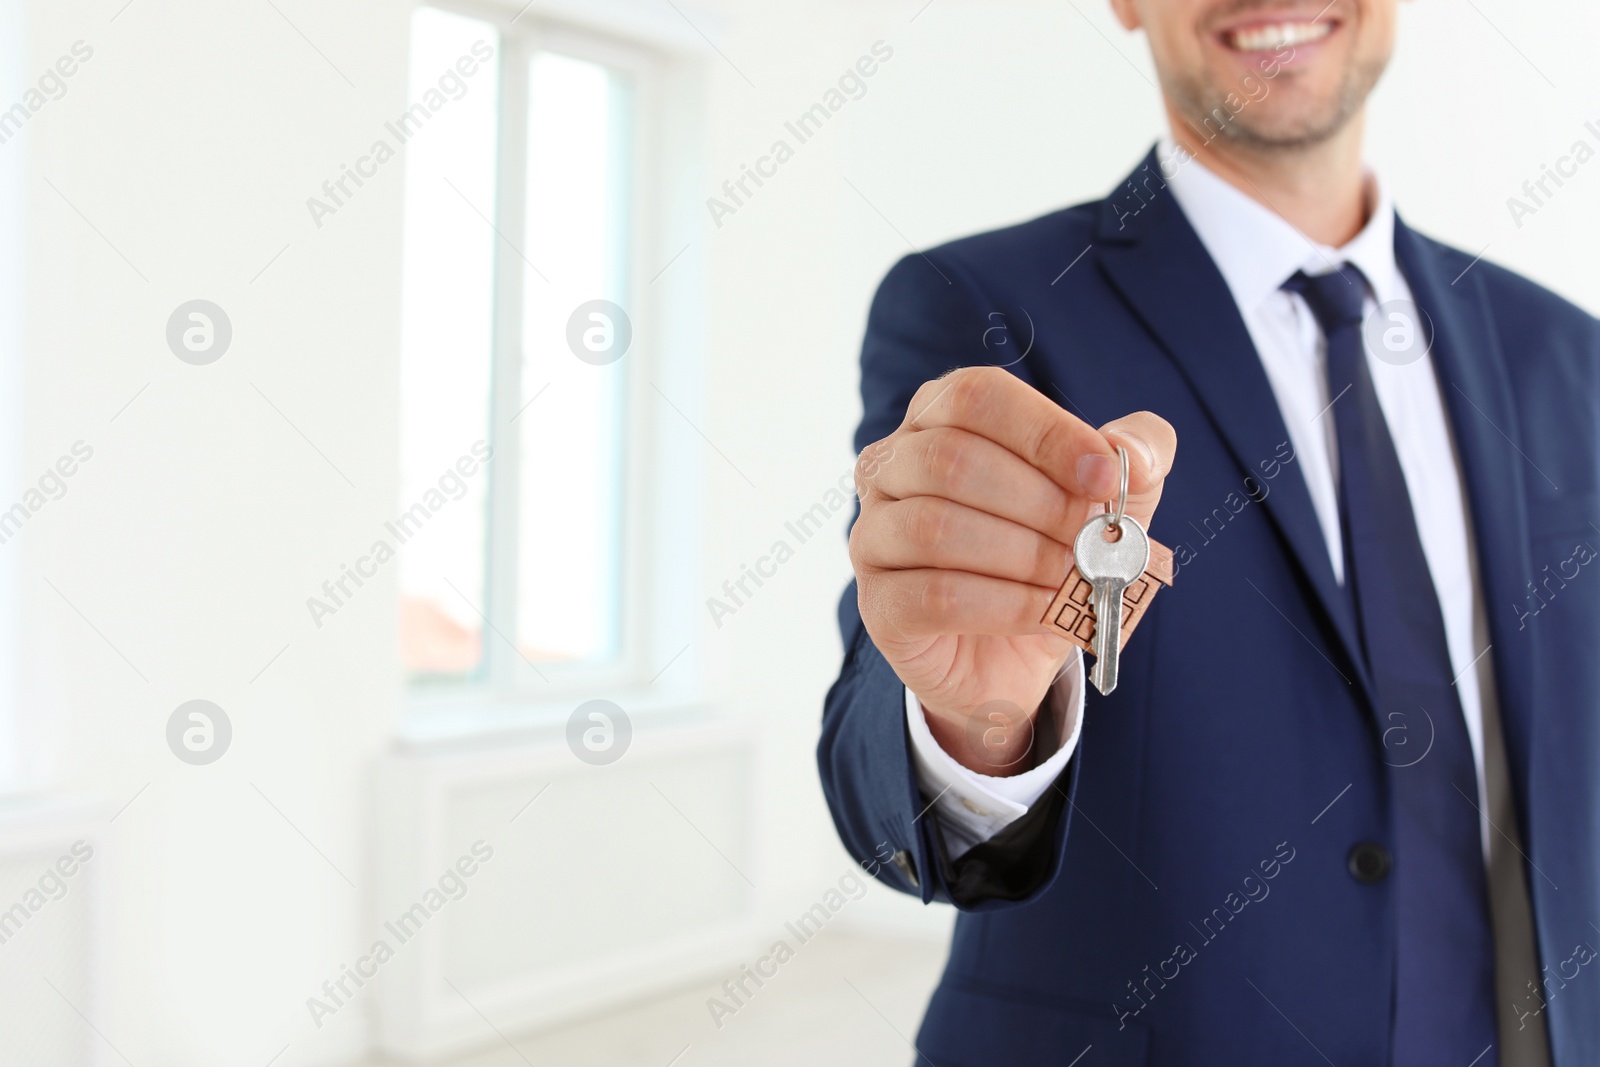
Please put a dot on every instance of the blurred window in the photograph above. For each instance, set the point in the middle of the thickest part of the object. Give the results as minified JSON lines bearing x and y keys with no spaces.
{"x":447,"y":347}
{"x":518,"y":449}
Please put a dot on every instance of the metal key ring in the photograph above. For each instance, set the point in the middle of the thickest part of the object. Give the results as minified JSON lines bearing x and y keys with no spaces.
{"x":1122,"y":492}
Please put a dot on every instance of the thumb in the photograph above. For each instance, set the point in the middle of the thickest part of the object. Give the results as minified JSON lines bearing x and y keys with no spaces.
{"x":1152,"y":445}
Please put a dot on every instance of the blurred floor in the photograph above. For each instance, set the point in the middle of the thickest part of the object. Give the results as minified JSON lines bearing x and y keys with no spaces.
{"x":844,"y":1000}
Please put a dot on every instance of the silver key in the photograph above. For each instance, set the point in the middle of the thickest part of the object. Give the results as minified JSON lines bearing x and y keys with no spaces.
{"x":1108,"y":567}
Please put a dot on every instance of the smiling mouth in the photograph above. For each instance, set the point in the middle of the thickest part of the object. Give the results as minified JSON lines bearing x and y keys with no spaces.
{"x":1272,"y":36}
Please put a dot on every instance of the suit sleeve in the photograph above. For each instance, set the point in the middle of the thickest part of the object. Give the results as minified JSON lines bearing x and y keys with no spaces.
{"x":926,"y":320}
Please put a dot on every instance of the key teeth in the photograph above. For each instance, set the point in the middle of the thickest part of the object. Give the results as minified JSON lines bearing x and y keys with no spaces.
{"x":1108,"y":620}
{"x":1100,"y":682}
{"x":1097,"y":675}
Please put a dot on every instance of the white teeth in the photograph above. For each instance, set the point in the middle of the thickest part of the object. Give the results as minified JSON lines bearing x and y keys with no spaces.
{"x":1270,"y":38}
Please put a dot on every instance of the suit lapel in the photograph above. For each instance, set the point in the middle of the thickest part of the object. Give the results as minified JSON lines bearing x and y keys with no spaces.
{"x":1476,"y":386}
{"x":1158,"y":264}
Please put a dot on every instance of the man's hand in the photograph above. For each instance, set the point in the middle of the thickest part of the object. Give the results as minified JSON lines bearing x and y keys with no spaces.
{"x":968,"y":514}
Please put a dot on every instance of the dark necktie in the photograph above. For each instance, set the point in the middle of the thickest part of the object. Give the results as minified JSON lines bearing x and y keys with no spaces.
{"x":1444,"y":1002}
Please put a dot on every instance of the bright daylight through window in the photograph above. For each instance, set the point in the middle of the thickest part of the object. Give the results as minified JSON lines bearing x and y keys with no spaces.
{"x":514,"y":453}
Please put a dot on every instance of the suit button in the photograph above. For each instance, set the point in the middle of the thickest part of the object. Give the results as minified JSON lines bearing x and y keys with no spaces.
{"x":902,"y":860}
{"x":1369,"y":862}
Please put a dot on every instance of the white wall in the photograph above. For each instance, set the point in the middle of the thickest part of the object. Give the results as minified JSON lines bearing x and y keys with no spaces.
{"x":13,"y":223}
{"x":190,"y":141}
{"x":188,"y":543}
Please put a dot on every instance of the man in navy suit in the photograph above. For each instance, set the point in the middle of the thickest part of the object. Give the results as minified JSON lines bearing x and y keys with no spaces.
{"x":1343,"y":806}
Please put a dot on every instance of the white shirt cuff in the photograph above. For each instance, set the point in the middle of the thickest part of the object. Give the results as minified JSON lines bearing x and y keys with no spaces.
{"x":974,"y":807}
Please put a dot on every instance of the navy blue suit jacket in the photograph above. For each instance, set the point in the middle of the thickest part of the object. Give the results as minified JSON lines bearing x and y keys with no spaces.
{"x":1185,"y":895}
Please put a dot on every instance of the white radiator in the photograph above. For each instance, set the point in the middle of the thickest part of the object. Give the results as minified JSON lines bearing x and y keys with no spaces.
{"x":53,"y":867}
{"x":523,"y":884}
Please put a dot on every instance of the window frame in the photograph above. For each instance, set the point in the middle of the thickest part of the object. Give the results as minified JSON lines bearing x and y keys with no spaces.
{"x":660,"y":479}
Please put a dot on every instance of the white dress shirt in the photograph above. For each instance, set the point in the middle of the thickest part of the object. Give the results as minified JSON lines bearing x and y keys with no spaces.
{"x":1256,"y":251}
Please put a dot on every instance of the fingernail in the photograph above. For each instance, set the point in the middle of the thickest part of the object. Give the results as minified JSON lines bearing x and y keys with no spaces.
{"x":1143,"y":449}
{"x":1097,"y":475}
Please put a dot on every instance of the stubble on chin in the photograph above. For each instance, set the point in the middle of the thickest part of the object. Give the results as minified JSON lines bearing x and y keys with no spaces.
{"x":1204,"y":104}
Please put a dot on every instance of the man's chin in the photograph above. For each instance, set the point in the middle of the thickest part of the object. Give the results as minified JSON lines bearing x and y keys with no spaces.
{"x":1285,"y":135}
{"x":1273,"y":123}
